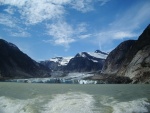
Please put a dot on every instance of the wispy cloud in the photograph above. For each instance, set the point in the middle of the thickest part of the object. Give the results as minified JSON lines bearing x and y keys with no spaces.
{"x":20,"y":33}
{"x":85,"y":36}
{"x":7,"y":20}
{"x":126,"y":25}
{"x":13,"y":26}
{"x":86,"y":5}
{"x":10,"y":10}
{"x":81,"y":28}
{"x":82,"y":5}
{"x":123,"y":34}
{"x":64,"y":34}
{"x":103,"y":2}
{"x":133,"y":18}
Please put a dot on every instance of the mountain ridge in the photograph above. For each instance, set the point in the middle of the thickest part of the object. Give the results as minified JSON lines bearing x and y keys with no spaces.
{"x":16,"y":64}
{"x":81,"y":62}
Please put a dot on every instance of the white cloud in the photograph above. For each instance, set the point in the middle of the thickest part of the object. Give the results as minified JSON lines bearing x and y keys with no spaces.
{"x":64,"y":34}
{"x":36,"y":11}
{"x":33,"y":12}
{"x":61,"y":32}
{"x":18,"y":3}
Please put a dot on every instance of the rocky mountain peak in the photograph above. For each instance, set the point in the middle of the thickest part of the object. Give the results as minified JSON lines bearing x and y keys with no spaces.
{"x":98,"y":51}
{"x":82,"y":54}
{"x":144,"y":38}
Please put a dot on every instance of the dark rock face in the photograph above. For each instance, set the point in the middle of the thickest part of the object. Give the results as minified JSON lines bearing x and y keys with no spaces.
{"x":131,"y":59}
{"x":111,"y":79}
{"x":81,"y":64}
{"x":16,"y":64}
{"x":137,"y":64}
{"x":55,"y":66}
{"x":139,"y":67}
{"x":116,"y":57}
{"x":84,"y":62}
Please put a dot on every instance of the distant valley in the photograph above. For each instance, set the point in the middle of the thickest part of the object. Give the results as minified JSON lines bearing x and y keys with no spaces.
{"x":129,"y":62}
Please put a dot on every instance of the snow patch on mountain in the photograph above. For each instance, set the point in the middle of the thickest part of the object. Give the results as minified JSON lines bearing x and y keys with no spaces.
{"x":96,"y":54}
{"x":61,"y":60}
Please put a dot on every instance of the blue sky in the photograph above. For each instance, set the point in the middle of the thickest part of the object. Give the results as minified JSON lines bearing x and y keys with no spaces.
{"x":47,"y":28}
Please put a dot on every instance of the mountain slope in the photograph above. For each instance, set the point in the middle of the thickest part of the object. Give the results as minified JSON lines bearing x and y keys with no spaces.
{"x":131,"y":60}
{"x":137,"y":64}
{"x":116,"y":57}
{"x":15,"y":64}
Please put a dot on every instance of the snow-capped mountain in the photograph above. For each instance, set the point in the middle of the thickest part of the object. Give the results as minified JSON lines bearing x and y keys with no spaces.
{"x":81,"y":62}
{"x":87,"y":61}
{"x":94,"y":56}
{"x":56,"y":63}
